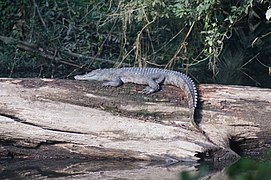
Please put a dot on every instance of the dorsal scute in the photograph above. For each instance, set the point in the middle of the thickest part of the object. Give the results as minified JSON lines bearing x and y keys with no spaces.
{"x":191,"y":85}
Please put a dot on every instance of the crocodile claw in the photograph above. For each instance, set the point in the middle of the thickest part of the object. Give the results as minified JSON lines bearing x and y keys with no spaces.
{"x":148,"y":90}
{"x":105,"y":84}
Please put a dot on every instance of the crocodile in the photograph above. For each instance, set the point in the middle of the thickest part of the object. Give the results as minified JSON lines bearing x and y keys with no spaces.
{"x":153,"y":77}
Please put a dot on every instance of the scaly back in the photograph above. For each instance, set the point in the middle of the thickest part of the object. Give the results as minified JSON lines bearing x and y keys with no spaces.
{"x":172,"y":77}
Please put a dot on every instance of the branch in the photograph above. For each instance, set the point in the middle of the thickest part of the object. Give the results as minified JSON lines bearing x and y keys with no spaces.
{"x":49,"y":55}
{"x":41,"y":19}
{"x":181,"y":46}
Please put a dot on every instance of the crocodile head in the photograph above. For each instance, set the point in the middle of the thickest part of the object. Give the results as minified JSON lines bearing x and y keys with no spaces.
{"x":97,"y":74}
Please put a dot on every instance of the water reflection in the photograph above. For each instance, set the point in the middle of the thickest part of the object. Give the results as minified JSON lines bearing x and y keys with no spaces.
{"x":81,"y":169}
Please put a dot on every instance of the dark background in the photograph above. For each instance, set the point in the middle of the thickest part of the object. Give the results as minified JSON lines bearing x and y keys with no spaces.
{"x":224,"y":42}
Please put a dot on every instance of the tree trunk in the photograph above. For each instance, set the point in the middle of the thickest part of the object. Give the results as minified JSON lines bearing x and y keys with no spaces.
{"x":44,"y":118}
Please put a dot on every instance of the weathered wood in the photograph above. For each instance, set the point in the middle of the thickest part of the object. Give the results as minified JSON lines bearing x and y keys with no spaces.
{"x":238,"y":114}
{"x":43,"y":118}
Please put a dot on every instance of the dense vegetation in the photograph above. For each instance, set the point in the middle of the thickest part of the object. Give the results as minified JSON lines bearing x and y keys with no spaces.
{"x":213,"y":41}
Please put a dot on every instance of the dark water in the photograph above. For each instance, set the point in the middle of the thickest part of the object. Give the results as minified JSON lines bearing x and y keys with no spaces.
{"x":75,"y":169}
{"x":244,"y":168}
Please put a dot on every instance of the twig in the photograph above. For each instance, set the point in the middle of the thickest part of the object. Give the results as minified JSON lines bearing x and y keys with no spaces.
{"x":41,"y":19}
{"x":89,"y":57}
{"x":137,"y":42}
{"x":182,"y":44}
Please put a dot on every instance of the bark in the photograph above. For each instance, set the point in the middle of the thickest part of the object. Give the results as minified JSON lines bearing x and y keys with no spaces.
{"x":60,"y":119}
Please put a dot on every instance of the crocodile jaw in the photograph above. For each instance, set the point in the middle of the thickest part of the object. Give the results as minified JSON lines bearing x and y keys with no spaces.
{"x":86,"y":77}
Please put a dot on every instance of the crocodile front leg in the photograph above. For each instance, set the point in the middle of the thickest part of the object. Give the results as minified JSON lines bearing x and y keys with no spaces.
{"x":115,"y":82}
{"x":153,"y":84}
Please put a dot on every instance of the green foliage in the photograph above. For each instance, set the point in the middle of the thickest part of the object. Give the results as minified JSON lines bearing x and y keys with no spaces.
{"x":249,"y":169}
{"x":216,"y":19}
{"x":179,"y":34}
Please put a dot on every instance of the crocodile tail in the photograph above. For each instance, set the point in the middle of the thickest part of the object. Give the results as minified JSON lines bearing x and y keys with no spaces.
{"x":187,"y":85}
{"x":191,"y":93}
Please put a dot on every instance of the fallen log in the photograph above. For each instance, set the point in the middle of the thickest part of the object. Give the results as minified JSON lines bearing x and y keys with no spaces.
{"x":45,"y":118}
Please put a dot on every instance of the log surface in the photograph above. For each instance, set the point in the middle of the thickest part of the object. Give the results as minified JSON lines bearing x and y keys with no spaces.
{"x":44,"y":118}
